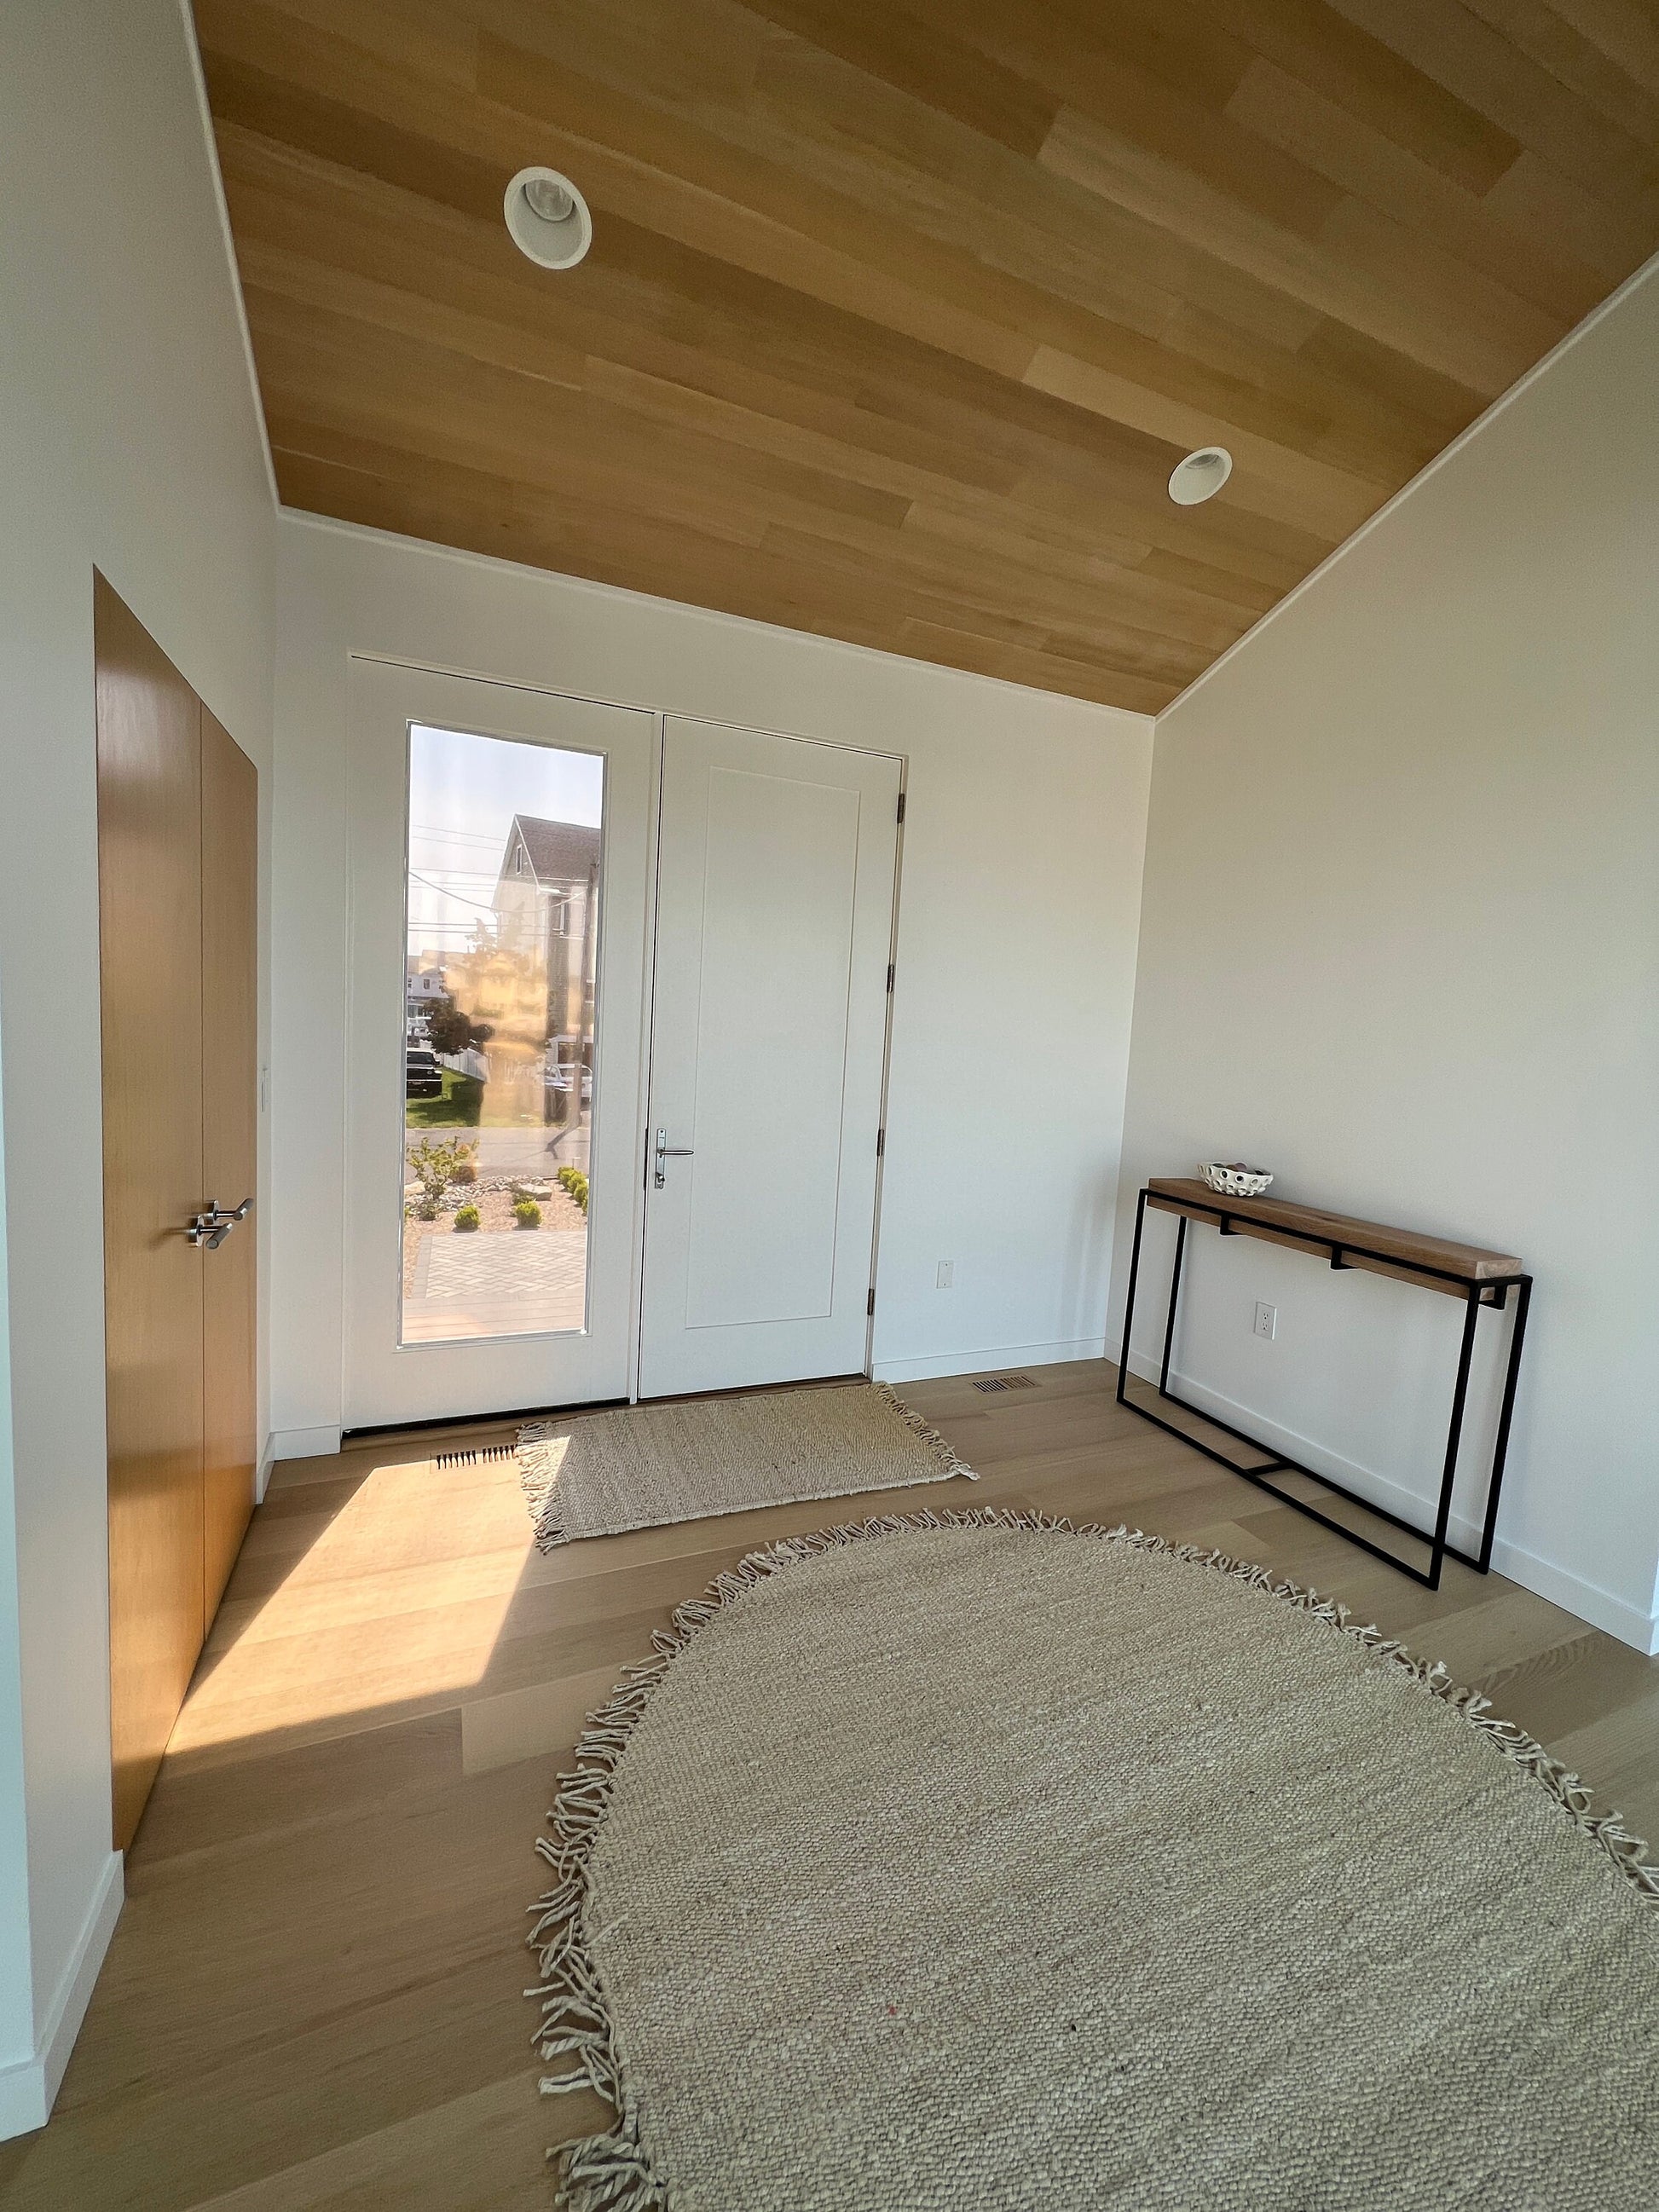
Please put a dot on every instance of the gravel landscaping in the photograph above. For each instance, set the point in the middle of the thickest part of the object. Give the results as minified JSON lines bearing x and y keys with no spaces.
{"x":494,"y":1199}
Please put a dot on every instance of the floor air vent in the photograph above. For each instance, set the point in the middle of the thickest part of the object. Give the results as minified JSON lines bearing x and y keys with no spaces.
{"x":470,"y":1458}
{"x":995,"y":1383}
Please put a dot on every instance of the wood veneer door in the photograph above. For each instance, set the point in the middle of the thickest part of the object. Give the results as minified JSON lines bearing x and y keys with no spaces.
{"x":149,"y":876}
{"x":230,"y":861}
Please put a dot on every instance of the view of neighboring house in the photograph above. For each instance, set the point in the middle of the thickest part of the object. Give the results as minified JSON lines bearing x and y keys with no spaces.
{"x":426,"y":989}
{"x":547,"y":897}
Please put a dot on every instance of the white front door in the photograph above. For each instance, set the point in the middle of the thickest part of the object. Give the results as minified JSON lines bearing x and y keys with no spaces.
{"x":773,"y":928}
{"x":500,"y":874}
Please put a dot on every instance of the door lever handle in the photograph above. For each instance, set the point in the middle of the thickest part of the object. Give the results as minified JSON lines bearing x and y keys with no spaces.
{"x":226,"y":1219}
{"x":215,"y":1222}
{"x":665,"y":1150}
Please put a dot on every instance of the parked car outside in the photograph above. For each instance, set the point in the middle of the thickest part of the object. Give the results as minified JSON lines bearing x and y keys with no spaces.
{"x":422,"y":1076}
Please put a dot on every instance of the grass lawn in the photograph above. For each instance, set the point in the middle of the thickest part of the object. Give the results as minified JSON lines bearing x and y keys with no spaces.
{"x":459,"y":1108}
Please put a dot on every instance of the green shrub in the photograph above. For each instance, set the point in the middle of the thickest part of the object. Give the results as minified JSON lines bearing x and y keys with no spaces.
{"x":434,"y":1166}
{"x":527,"y":1213}
{"x":576,"y":1183}
{"x":466,"y":1217}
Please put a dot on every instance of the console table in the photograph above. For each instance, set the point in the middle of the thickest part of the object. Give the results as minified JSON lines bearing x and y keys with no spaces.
{"x":1479,"y":1279}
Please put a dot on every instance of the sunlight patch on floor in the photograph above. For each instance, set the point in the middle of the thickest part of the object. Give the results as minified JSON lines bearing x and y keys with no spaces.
{"x":401,"y":1596}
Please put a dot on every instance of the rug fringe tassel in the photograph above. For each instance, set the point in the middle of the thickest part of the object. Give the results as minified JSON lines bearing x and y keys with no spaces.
{"x":541,"y":1491}
{"x":949,"y":1458}
{"x":611,"y":2173}
{"x":606,"y":2173}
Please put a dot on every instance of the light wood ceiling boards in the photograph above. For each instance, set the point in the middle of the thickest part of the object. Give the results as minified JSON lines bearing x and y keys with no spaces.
{"x":899,"y":313}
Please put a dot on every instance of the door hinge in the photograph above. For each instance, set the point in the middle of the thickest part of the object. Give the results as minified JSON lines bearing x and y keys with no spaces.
{"x":901,"y":807}
{"x":869,"y":1304}
{"x":881,"y":1142}
{"x":890,"y":975}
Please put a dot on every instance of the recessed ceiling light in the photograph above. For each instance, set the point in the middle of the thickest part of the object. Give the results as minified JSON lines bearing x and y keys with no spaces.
{"x":548,"y":218}
{"x":1200,"y":476}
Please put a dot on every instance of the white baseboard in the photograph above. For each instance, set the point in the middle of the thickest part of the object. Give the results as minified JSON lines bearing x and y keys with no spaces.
{"x":262,"y":1472}
{"x":982,"y":1359}
{"x":303,"y":1444}
{"x":28,"y":2091}
{"x":1600,"y":1609}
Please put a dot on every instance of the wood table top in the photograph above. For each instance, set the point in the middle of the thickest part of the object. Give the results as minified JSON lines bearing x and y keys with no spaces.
{"x":1409,"y":1248}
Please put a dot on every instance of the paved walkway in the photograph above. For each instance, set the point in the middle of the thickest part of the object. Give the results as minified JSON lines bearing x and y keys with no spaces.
{"x":519,"y":1283}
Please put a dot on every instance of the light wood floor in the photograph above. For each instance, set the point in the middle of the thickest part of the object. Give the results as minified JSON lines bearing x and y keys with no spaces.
{"x":313,"y":2001}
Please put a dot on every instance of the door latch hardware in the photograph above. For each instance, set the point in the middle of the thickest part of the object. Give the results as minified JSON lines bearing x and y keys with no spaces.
{"x":215,"y":1223}
{"x":664,"y":1151}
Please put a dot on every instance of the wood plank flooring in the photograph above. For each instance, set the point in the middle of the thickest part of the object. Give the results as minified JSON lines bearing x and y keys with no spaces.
{"x":313,"y":2001}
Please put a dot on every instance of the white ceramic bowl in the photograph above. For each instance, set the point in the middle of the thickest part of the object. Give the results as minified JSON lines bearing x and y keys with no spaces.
{"x":1235,"y":1181}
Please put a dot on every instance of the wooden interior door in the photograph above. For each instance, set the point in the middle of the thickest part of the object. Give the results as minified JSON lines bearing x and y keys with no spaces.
{"x":230,"y":864}
{"x":150,"y":874}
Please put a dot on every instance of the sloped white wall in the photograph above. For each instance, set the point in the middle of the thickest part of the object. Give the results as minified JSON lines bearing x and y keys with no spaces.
{"x":130,"y":441}
{"x":1401,"y":943}
{"x":1017,"y":932}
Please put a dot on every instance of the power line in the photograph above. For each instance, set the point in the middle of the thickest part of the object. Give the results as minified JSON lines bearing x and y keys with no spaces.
{"x":461,"y":836}
{"x":443,"y":891}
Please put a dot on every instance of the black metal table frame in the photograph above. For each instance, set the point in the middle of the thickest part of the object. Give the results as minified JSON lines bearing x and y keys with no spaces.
{"x":1489,"y":1291}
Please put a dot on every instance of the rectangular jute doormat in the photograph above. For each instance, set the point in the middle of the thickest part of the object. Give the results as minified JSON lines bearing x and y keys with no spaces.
{"x":639,"y":1466}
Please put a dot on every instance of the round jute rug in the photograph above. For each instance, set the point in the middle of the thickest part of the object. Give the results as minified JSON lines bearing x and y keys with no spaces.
{"x":979,"y":1861}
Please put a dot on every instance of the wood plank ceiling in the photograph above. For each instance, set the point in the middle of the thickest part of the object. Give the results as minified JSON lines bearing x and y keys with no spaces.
{"x":899,"y":313}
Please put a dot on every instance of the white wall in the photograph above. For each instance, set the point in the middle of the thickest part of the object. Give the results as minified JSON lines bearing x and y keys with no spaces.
{"x":1401,"y":943}
{"x":1021,"y":882}
{"x":129,"y":440}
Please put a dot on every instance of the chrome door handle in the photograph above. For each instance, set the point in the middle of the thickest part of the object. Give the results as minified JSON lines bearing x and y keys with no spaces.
{"x":215,"y":1223}
{"x":226,"y":1218}
{"x":666,"y":1151}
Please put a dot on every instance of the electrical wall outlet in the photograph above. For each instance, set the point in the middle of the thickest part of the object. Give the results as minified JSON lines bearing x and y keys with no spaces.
{"x":1266,"y":1319}
{"x":946,"y":1278}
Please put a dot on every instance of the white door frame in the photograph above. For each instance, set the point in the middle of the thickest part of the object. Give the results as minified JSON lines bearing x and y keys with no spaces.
{"x":473,"y":1378}
{"x":659,"y":715}
{"x":642,"y":1102}
{"x":903,"y":760}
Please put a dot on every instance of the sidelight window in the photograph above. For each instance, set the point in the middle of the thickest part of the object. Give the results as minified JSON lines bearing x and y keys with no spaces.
{"x":504,"y":858}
